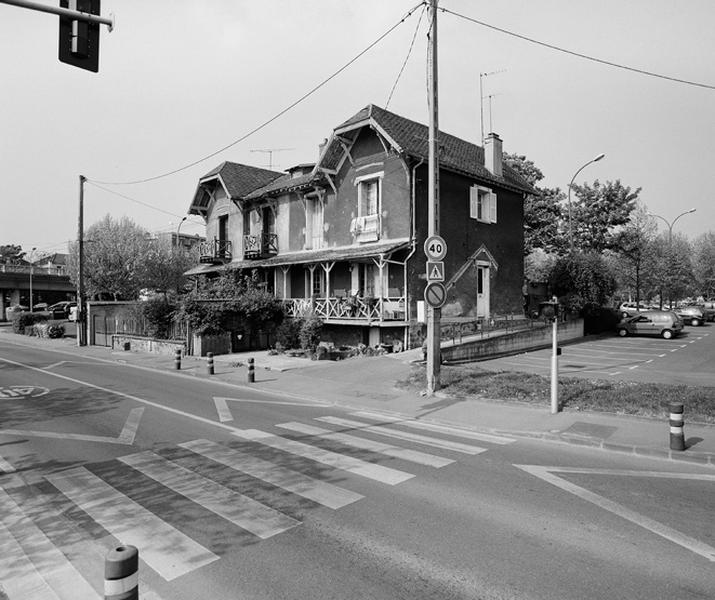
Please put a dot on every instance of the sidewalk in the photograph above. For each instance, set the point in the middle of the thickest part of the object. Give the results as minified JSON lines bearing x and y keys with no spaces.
{"x":369,"y":383}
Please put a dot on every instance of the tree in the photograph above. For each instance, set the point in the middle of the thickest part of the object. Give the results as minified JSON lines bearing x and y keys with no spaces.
{"x":10,"y":254}
{"x":704,"y":264}
{"x":164,"y":266}
{"x":114,"y":259}
{"x":542,"y":211}
{"x":581,"y":279}
{"x":598,"y":211}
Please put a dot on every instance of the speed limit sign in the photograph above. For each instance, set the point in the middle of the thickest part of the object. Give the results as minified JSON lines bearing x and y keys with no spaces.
{"x":435,"y":248}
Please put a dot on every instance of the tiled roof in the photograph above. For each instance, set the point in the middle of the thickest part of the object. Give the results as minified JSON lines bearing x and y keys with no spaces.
{"x":287,"y":182}
{"x":413,"y":139}
{"x":241,"y":180}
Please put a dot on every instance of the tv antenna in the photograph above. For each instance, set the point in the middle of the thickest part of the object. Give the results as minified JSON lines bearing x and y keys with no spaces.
{"x":481,"y":99}
{"x":270,"y":152}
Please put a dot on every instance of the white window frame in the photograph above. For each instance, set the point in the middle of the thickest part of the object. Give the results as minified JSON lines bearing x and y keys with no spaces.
{"x":360,"y":182}
{"x":482,"y":204}
{"x":314,"y":227}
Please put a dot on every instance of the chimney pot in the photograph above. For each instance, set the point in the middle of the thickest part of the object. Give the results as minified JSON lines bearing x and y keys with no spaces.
{"x":493,"y":154}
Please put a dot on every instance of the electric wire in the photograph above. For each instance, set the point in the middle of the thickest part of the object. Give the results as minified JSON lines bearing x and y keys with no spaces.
{"x":274,"y":117}
{"x":409,"y":52}
{"x":578,"y":54}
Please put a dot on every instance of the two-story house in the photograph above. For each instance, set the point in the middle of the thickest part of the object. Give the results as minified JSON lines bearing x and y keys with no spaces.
{"x":343,"y":238}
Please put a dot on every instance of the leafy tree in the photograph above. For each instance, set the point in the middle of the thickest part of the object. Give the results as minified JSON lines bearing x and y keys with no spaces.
{"x":164,"y":266}
{"x":542,"y":211}
{"x":704,"y":264}
{"x":114,"y":259}
{"x":10,"y":254}
{"x":598,"y":211}
{"x":580,"y":279}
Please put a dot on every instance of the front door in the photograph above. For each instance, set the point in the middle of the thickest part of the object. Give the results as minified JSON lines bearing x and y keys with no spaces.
{"x":483,"y":291}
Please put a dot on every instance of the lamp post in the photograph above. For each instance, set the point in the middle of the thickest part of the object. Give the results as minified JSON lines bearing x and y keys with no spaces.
{"x":593,"y":160}
{"x":32,"y":254}
{"x":670,"y":240}
{"x":179,"y":229}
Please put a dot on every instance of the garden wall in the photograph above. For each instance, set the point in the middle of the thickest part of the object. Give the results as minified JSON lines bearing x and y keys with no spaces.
{"x":143,"y":344}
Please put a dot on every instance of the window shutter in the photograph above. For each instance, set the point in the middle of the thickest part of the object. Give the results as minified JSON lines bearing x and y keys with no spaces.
{"x":473,"y":201}
{"x":492,"y":207}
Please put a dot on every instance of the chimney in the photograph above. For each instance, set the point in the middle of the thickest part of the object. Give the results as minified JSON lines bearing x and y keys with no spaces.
{"x":492,"y":154}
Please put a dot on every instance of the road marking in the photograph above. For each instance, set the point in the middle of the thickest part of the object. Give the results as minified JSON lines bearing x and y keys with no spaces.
{"x":696,"y":546}
{"x":436,"y":427}
{"x":633,"y":367}
{"x":346,"y":463}
{"x":20,"y":391}
{"x":318,"y":491}
{"x":404,"y":435}
{"x":662,"y":355}
{"x":57,"y":364}
{"x":422,"y":458}
{"x":224,"y":414}
{"x":315,"y":404}
{"x":32,"y":567}
{"x":165,"y":549}
{"x":249,"y":514}
{"x":126,"y":436}
{"x":5,"y":466}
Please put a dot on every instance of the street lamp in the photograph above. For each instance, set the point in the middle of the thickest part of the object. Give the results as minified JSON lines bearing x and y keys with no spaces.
{"x":670,"y":238}
{"x":593,"y":160}
{"x":179,"y":229}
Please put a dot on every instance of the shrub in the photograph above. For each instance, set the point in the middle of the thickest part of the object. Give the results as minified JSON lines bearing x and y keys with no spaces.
{"x":288,"y":333}
{"x":310,"y":333}
{"x":158,"y":313}
{"x":597,"y":319}
{"x":24,"y":320}
{"x":56,"y":331}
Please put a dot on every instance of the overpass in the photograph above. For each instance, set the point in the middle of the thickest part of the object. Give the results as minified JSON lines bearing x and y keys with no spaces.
{"x":49,"y":284}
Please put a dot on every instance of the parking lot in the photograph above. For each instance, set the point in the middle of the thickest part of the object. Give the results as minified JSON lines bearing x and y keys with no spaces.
{"x":687,"y":359}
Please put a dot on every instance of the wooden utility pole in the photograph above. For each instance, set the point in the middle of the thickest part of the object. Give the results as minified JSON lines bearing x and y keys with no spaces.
{"x":81,"y":322}
{"x":433,"y":314}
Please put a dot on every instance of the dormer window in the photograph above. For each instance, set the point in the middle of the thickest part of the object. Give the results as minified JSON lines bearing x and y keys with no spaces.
{"x":482,"y":204}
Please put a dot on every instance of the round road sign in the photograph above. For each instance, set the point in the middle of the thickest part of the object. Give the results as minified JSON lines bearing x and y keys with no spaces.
{"x":435,"y":248}
{"x":436,"y":294}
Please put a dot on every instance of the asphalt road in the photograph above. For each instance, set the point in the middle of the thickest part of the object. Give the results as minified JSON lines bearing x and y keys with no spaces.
{"x":232,"y":494}
{"x":687,"y":359}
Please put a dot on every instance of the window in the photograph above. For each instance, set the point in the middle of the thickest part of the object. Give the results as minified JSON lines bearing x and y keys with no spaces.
{"x":369,"y":188}
{"x":314,"y":215}
{"x":482,"y":204}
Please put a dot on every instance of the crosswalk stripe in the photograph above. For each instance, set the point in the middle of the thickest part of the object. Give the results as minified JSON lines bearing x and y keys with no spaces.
{"x":333,"y":459}
{"x":32,"y":567}
{"x":6,"y":466}
{"x":249,"y":514}
{"x":404,"y":435}
{"x":415,"y":456}
{"x":165,"y":549}
{"x":436,"y":427}
{"x":318,"y":491}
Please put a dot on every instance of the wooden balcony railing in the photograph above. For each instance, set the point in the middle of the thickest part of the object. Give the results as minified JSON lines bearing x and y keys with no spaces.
{"x":260,"y":245}
{"x":215,"y":252}
{"x":352,"y":308}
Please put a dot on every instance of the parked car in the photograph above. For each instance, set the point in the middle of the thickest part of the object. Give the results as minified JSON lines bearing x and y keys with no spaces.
{"x":628,"y":309}
{"x":691,"y":315}
{"x":39,"y":307}
{"x":61,"y":310}
{"x":664,"y":323}
{"x":708,"y":311}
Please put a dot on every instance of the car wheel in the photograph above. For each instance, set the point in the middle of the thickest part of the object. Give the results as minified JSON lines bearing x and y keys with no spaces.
{"x":695,"y":322}
{"x":622,"y":332}
{"x":667,"y":334}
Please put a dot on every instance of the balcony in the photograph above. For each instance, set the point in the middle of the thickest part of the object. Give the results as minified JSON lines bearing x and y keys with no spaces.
{"x":366,"y":228}
{"x":261,"y":245}
{"x":215,"y":252}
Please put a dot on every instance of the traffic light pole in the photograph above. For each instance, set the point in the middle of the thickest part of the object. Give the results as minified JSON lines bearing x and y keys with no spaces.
{"x":63,"y":12}
{"x":433,"y":314}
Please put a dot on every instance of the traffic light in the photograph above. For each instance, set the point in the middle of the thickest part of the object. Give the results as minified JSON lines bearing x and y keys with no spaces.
{"x":79,"y":40}
{"x":549,"y":310}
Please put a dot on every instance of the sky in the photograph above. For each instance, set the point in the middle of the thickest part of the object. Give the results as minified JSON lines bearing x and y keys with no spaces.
{"x":179,"y":81}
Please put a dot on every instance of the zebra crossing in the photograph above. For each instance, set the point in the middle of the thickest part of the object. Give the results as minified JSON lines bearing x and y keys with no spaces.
{"x":47,"y":551}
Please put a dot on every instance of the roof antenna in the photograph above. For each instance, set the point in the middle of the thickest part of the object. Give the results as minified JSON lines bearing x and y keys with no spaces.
{"x":270,"y":152}
{"x":481,"y":99}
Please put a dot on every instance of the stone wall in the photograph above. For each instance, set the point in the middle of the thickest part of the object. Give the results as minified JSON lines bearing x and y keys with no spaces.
{"x":142,"y":344}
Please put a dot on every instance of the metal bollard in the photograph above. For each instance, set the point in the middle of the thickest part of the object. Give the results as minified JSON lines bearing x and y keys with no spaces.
{"x":677,"y":436}
{"x":121,"y":574}
{"x":177,"y":359}
{"x":210,"y":363}
{"x":251,"y":371}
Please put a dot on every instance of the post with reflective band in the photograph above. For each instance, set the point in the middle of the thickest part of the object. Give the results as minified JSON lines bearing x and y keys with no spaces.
{"x":677,"y":436}
{"x":210,"y":363}
{"x":121,"y":574}
{"x":251,"y":371}
{"x":177,"y":359}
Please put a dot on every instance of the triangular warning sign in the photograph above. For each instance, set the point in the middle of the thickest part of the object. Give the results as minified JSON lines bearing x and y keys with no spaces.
{"x":436,"y":273}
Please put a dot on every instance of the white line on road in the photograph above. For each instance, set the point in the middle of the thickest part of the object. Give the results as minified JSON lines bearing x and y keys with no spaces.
{"x":129,"y":431}
{"x":315,"y":404}
{"x":32,"y":567}
{"x":404,"y":435}
{"x":415,"y":456}
{"x":339,"y":461}
{"x":165,"y":549}
{"x":664,"y":531}
{"x":455,"y":431}
{"x":261,"y":520}
{"x":224,"y":413}
{"x":5,"y":466}
{"x":316,"y":490}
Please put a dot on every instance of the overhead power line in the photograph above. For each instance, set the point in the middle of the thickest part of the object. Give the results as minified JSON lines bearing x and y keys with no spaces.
{"x":274,"y":117}
{"x":409,"y":52}
{"x":578,"y":54}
